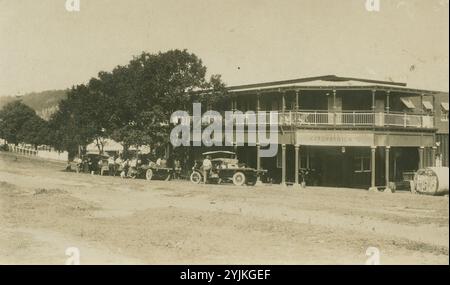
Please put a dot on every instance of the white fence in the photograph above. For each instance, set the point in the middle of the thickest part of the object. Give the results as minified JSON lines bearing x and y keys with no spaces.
{"x":44,"y":154}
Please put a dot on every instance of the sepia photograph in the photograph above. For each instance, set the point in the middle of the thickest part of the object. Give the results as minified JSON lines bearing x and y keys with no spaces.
{"x":224,"y":132}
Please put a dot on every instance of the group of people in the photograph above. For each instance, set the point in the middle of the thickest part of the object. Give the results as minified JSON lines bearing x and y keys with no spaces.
{"x":119,"y":165}
{"x":115,"y":165}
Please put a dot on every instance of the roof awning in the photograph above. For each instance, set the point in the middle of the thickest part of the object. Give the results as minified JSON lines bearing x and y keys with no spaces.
{"x":444,"y":106}
{"x":408,"y":103}
{"x":428,"y":105}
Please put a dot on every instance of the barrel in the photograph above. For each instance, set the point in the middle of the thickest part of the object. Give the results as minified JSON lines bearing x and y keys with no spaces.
{"x":431,"y":181}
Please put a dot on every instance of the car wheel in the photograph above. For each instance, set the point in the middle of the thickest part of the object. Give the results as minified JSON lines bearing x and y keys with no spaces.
{"x":239,"y":179}
{"x":149,"y":174}
{"x":196,"y":177}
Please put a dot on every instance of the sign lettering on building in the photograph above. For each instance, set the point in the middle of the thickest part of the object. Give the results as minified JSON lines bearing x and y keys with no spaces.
{"x":330,"y":138}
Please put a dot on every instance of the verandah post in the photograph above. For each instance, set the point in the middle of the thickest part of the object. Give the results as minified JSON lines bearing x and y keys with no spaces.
{"x":372,"y":169}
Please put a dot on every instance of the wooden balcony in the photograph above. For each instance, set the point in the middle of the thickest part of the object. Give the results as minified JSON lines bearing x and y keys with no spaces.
{"x":355,"y":119}
{"x":345,"y":119}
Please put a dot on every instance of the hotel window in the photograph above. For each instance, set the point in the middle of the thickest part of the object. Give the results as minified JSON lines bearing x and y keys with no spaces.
{"x":444,"y":112}
{"x":361,"y":164}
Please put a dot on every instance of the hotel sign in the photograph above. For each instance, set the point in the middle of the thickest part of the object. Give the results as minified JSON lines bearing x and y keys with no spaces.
{"x":334,"y":138}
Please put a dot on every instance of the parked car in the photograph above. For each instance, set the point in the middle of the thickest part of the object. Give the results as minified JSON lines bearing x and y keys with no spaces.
{"x":225,"y":169}
{"x":89,"y":163}
{"x":149,"y":170}
{"x":155,"y":172}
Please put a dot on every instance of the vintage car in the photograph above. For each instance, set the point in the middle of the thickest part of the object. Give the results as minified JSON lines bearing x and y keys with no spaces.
{"x":225,"y":168}
{"x":149,"y":170}
{"x":154,"y":172}
{"x":89,"y":162}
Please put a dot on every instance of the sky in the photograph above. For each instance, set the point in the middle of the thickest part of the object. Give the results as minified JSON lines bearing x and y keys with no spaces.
{"x":43,"y":46}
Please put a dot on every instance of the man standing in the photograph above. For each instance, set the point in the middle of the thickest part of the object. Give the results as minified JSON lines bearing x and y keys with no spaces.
{"x":78,"y":161}
{"x":207,"y":165}
{"x":111,"y":166}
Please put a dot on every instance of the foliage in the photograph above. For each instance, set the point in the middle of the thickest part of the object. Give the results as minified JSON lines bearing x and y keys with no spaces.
{"x":19,"y":123}
{"x":132,"y":104}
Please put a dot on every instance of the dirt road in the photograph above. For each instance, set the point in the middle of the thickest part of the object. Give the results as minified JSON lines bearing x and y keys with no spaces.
{"x":44,"y":210}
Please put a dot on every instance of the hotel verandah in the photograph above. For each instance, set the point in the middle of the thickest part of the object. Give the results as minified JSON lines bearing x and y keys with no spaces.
{"x":352,"y":132}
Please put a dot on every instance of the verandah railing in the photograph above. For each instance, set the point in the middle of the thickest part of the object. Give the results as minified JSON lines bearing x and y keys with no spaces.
{"x":354,"y":118}
{"x":343,"y":118}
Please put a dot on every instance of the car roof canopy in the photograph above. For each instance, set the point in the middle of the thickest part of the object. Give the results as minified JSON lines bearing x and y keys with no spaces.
{"x":218,"y":152}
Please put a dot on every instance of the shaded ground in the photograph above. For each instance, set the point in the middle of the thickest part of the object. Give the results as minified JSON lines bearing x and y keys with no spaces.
{"x":44,"y":210}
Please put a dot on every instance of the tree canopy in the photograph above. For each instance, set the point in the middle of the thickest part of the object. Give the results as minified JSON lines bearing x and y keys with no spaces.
{"x":20,"y":124}
{"x":133,"y":103}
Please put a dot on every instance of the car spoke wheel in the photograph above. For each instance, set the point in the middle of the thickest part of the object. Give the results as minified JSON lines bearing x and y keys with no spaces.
{"x":239,"y":179}
{"x":196,"y":177}
{"x":149,"y":174}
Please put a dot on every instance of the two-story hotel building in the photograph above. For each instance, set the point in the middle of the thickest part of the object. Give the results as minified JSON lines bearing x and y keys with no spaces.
{"x":351,"y":132}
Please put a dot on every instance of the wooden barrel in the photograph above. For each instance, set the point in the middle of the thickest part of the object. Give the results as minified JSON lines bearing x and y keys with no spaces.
{"x":431,"y":181}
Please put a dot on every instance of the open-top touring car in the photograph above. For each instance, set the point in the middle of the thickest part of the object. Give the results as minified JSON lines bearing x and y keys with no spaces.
{"x":88,"y":163}
{"x":149,"y":170}
{"x":155,"y":172}
{"x":225,"y":168}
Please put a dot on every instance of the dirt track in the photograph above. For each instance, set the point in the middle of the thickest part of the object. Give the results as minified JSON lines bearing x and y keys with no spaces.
{"x":44,"y":210}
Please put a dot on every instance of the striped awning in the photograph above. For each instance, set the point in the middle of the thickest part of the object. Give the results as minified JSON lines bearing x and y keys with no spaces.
{"x":408,"y":103}
{"x":428,"y":105}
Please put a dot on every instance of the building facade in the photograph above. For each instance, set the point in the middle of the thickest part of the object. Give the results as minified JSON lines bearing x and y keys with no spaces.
{"x":441,"y":119}
{"x":346,"y":132}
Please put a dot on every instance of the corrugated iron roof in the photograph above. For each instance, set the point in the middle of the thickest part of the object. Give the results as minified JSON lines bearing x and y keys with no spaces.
{"x":326,"y":82}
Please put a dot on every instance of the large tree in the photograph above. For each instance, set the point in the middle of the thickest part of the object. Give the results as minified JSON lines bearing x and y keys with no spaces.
{"x":151,"y":87}
{"x":35,"y":131}
{"x":15,"y":119}
{"x":133,"y":103}
{"x":79,"y":119}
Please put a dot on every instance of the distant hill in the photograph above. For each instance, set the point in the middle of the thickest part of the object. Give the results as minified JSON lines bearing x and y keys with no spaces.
{"x":45,"y":103}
